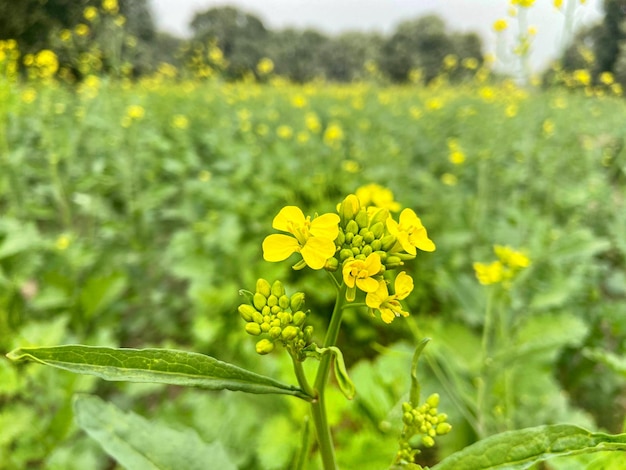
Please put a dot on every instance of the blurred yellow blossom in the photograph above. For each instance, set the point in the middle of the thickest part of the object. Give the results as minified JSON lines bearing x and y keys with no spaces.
{"x":110,"y":6}
{"x":548,"y":127}
{"x":489,"y":273}
{"x":378,"y":196}
{"x":500,"y":25}
{"x":135,"y":111}
{"x":90,"y":13}
{"x":62,"y":242}
{"x":350,"y":166}
{"x":313,"y":123}
{"x":582,"y":76}
{"x":606,"y":78}
{"x":81,"y":30}
{"x":47,"y":63}
{"x":333,"y":135}
{"x":65,"y":35}
{"x":179,"y":121}
{"x":284,"y":132}
{"x":204,"y":176}
{"x":523,"y":3}
{"x":298,"y":101}
{"x":449,"y":179}
{"x":265,"y":66}
{"x":29,"y":95}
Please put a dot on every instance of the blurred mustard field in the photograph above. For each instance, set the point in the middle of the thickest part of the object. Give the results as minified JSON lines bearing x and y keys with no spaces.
{"x":133,"y":210}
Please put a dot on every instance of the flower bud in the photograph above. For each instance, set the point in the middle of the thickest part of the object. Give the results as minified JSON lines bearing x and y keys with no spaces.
{"x":275,"y":332}
{"x":378,"y":229}
{"x":379,"y":217}
{"x":433,"y":400}
{"x":278,"y":289}
{"x":348,"y":208}
{"x":263,"y":287}
{"x":283,"y":302}
{"x":406,"y":406}
{"x":296,"y":302}
{"x":351,"y":228}
{"x":393,"y":262}
{"x":265,"y":327}
{"x":257,"y":317}
{"x":368,"y":237}
{"x":341,"y":238}
{"x":426,"y":440}
{"x":331,"y":264}
{"x":443,"y":428}
{"x":388,"y":241}
{"x":272,"y":300}
{"x":345,"y":254}
{"x":407,"y":418}
{"x":276,"y":309}
{"x":357,"y":241}
{"x":308,"y":334}
{"x":246,"y":311}
{"x":265,"y":346}
{"x":298,"y":318}
{"x":289,"y":332}
{"x":376,"y":245}
{"x":253,"y":329}
{"x":366,"y":250}
{"x":286,"y":319}
{"x":361,"y":218}
{"x":259,"y":300}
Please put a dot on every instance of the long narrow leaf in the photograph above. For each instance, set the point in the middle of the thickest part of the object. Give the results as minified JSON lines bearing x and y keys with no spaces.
{"x":136,"y":443}
{"x":516,"y":450}
{"x":156,"y":366}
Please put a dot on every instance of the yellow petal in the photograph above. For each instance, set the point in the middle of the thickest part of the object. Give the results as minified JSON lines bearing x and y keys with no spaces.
{"x":409,"y":218}
{"x":387,"y":315}
{"x":325,"y":226}
{"x":420,"y":240}
{"x":316,"y":251}
{"x":403,"y":285}
{"x":278,"y":247}
{"x":373,"y":264}
{"x":375,"y":299}
{"x":287,"y":216}
{"x":367,"y":285}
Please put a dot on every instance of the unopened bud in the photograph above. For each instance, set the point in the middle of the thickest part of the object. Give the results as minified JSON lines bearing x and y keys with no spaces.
{"x":393,"y":262}
{"x":246,"y":311}
{"x":379,"y":217}
{"x":341,"y":238}
{"x":377,"y":229}
{"x":368,"y":237}
{"x":253,"y":329}
{"x":426,"y":440}
{"x":275,"y":332}
{"x":257,"y":317}
{"x":366,"y":250}
{"x":263,"y":287}
{"x":331,"y":264}
{"x":296,"y":301}
{"x":265,"y":346}
{"x":298,"y":318}
{"x":433,"y":400}
{"x":259,"y":300}
{"x":348,"y":208}
{"x":272,"y":300}
{"x":308,"y":334}
{"x":388,"y":241}
{"x":443,"y":428}
{"x":361,"y":218}
{"x":283,"y":302}
{"x":289,"y":333}
{"x":357,"y":241}
{"x":345,"y":254}
{"x":351,"y":228}
{"x":278,"y":289}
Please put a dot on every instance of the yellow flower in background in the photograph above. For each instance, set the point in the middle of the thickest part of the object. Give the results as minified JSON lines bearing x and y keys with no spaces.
{"x":284,"y":132}
{"x":410,"y":232}
{"x":389,"y":305}
{"x":523,"y":3}
{"x":333,"y":135}
{"x":489,"y":273}
{"x":313,"y":239}
{"x":298,"y":101}
{"x":29,"y":95}
{"x":582,"y":76}
{"x":360,"y":273}
{"x":457,"y":157}
{"x":135,"y":112}
{"x":47,"y":63}
{"x":179,"y":122}
{"x":606,"y":78}
{"x":110,"y":6}
{"x":449,"y":179}
{"x":265,"y":66}
{"x":313,"y":123}
{"x":350,"y":166}
{"x":470,"y":63}
{"x":434,"y":104}
{"x":511,"y":110}
{"x":81,"y":30}
{"x":510,"y":257}
{"x":500,"y":25}
{"x":205,"y":176}
{"x":558,"y":3}
{"x":90,"y":13}
{"x":548,"y":127}
{"x":376,"y":195}
{"x":62,"y":242}
{"x":65,"y":35}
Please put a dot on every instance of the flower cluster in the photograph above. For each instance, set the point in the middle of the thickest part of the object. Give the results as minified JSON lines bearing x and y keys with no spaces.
{"x":423,"y":420}
{"x":278,"y":317}
{"x":362,"y":241}
{"x":504,"y":269}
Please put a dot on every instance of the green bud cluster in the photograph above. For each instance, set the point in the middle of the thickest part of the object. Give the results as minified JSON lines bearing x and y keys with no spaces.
{"x":424,"y":420}
{"x":277,"y":317}
{"x":362,"y":232}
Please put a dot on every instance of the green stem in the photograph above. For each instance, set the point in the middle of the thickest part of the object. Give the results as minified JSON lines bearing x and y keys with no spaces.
{"x":318,"y":407}
{"x":484,"y":381}
{"x":301,"y":377}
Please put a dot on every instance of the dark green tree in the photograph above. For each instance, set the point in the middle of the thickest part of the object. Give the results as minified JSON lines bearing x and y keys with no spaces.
{"x":298,"y":55}
{"x":242,"y":37}
{"x":343,"y":57}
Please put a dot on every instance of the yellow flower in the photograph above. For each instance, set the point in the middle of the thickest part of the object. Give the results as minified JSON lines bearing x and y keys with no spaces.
{"x":284,"y":132}
{"x":90,"y":13}
{"x":389,"y":305}
{"x":410,"y":232}
{"x":313,"y":123}
{"x":360,"y":273}
{"x":313,"y":239}
{"x":65,"y":35}
{"x":110,"y":6}
{"x":63,"y":242}
{"x":449,"y":179}
{"x":29,"y":95}
{"x":47,"y":62}
{"x":510,"y":257}
{"x":265,"y":66}
{"x":558,"y":3}
{"x":333,"y":135}
{"x":298,"y":101}
{"x":376,"y":195}
{"x":457,"y":157}
{"x":135,"y":111}
{"x":523,"y":3}
{"x":607,"y":78}
{"x":81,"y":29}
{"x":179,"y":121}
{"x":491,"y":273}
{"x":582,"y":76}
{"x":500,"y":25}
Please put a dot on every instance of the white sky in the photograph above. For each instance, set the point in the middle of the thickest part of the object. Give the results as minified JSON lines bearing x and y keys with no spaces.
{"x":335,"y":16}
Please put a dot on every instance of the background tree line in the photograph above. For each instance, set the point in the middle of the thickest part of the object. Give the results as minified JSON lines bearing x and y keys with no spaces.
{"x":300,"y":55}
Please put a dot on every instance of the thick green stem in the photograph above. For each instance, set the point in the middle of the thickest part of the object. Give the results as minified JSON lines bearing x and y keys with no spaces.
{"x":484,"y":381}
{"x":318,"y":407}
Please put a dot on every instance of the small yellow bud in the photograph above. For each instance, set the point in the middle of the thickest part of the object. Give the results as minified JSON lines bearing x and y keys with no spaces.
{"x":259,"y":300}
{"x":257,"y":317}
{"x":433,"y":400}
{"x":263,"y":287}
{"x":362,"y":219}
{"x":265,"y":346}
{"x":296,"y":302}
{"x":278,"y":289}
{"x":289,"y":333}
{"x":388,"y":242}
{"x":272,"y":300}
{"x":351,"y":229}
{"x":348,"y":208}
{"x":283,"y":302}
{"x":253,"y":329}
{"x":298,"y":318}
{"x":331,"y":264}
{"x":381,"y":216}
{"x":428,"y":441}
{"x":275,"y":332}
{"x":246,"y":311}
{"x":443,"y":428}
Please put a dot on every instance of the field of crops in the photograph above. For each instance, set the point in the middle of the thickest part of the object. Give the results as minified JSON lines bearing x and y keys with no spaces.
{"x":133,"y":213}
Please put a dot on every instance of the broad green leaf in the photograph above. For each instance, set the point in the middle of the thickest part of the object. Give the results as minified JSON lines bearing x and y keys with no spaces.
{"x":523,"y":448}
{"x":414,"y":395}
{"x":154,"y":365}
{"x":100,"y":292}
{"x":136,"y":443}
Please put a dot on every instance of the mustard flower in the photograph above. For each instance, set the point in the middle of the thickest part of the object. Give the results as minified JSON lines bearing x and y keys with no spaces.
{"x":389,"y":304}
{"x":500,"y":25}
{"x":510,"y":257}
{"x":376,"y":195}
{"x":410,"y":232}
{"x":360,"y":273}
{"x":489,"y":273}
{"x":313,"y":239}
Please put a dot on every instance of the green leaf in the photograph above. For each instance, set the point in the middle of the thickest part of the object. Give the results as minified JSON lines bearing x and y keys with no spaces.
{"x":414,"y":395}
{"x":100,"y":292}
{"x":523,"y":448}
{"x":156,"y":366}
{"x":612,"y":360}
{"x":136,"y":443}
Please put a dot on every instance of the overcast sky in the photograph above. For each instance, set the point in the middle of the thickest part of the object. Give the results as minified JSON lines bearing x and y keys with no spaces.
{"x":335,"y":16}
